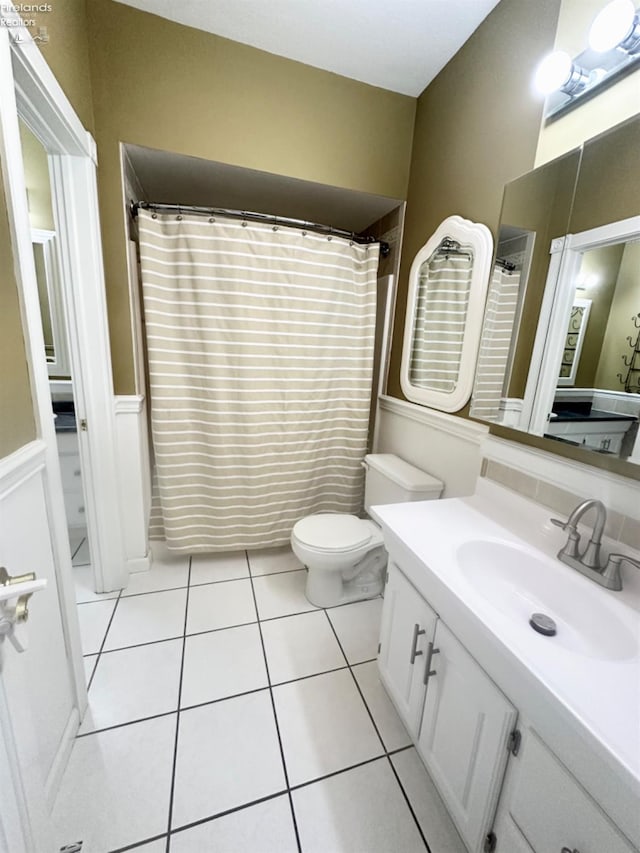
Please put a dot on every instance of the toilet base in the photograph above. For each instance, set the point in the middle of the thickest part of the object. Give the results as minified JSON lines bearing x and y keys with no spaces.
{"x":329,"y":588}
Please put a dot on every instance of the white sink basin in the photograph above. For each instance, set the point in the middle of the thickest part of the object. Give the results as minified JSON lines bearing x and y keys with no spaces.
{"x":517,"y":583}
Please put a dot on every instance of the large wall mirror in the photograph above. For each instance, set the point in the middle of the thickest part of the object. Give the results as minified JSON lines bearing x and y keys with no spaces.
{"x":560,"y":349}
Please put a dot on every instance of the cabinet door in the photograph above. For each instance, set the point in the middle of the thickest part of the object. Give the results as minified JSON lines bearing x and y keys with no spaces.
{"x":408,"y":624}
{"x":463,"y":737}
{"x":510,"y":839}
{"x":552,"y":809}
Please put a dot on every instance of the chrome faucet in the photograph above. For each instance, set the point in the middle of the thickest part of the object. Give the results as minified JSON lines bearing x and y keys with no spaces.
{"x":588,"y":563}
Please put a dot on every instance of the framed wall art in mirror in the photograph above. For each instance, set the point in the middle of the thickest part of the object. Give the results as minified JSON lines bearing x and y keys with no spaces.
{"x":447,"y":288}
{"x":574,"y":341}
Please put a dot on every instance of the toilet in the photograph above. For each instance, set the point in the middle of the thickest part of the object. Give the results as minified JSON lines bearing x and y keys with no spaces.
{"x":345,"y":555}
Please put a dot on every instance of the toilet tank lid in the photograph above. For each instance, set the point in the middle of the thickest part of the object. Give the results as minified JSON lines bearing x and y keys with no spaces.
{"x":408,"y":476}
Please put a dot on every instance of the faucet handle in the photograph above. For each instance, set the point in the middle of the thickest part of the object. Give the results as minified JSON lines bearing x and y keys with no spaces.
{"x":571,"y":548}
{"x":612,"y":570}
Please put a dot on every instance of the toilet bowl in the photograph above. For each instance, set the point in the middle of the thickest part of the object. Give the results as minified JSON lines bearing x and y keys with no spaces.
{"x":345,"y":555}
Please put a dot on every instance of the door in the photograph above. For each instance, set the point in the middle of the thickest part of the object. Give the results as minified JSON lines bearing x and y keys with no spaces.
{"x":463,"y":737}
{"x":408,"y":624}
{"x":42,"y":690}
{"x":38,"y":707}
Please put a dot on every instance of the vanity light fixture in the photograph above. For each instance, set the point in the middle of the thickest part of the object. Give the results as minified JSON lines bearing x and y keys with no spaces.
{"x":617,"y":26}
{"x":613,"y":51}
{"x":557,"y":72}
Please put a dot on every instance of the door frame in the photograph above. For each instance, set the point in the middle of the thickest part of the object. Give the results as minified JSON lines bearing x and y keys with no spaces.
{"x":559,"y":295}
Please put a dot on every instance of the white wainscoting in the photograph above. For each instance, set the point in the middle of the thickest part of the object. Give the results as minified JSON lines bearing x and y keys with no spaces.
{"x":134,"y":479}
{"x":446,"y":446}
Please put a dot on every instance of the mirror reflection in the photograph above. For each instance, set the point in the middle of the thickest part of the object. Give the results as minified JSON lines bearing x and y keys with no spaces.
{"x":45,"y":252}
{"x":560,"y":359}
{"x":444,"y":282}
{"x":591,"y":405}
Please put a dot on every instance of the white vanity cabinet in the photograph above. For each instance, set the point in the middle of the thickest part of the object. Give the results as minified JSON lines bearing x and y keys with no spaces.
{"x":466,"y":725}
{"x":408,"y":625}
{"x":546,"y":808}
{"x":69,"y":455}
{"x":459,"y":720}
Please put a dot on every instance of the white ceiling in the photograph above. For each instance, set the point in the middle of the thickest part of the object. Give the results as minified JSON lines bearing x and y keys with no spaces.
{"x":399,"y":45}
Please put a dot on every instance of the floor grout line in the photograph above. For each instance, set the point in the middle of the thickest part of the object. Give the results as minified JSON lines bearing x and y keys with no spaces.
{"x":220,"y":698}
{"x":275,"y":715}
{"x":175,"y":749}
{"x":104,"y":640}
{"x":289,"y":789}
{"x":375,"y":726}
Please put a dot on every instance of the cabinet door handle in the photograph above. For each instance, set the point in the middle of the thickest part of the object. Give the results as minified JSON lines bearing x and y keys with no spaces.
{"x":567,"y":850}
{"x":427,"y":667}
{"x":417,"y":632}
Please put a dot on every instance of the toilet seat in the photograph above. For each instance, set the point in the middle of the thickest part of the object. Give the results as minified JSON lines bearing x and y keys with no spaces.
{"x":334,"y":533}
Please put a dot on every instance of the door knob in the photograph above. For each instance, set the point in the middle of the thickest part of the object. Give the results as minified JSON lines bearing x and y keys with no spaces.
{"x":15,"y":592}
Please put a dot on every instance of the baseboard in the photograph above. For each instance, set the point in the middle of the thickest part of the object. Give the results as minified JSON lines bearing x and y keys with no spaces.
{"x":59,"y":764}
{"x":140,"y":564}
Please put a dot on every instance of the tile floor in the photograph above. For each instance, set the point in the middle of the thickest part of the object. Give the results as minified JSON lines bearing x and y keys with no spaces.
{"x":228,"y":714}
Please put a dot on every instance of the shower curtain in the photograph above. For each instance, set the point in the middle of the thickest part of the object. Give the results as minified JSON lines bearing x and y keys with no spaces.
{"x":493,"y":356}
{"x":260,"y":352}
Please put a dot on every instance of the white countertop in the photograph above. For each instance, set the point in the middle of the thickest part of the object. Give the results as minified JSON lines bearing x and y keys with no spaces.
{"x":573,"y":698}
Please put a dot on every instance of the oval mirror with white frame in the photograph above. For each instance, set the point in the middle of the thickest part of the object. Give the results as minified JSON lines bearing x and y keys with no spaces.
{"x":447,"y":288}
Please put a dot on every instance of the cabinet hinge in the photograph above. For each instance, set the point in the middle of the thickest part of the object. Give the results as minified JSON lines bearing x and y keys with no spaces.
{"x":83,"y":424}
{"x":386,"y":576}
{"x":490,"y":843}
{"x":513,"y":744}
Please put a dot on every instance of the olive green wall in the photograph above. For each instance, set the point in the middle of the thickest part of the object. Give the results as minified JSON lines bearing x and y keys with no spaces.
{"x":17,"y":422}
{"x":163,"y":85}
{"x":36,"y":178}
{"x":625,"y":305}
{"x":477,"y":128}
{"x":67,"y":53}
{"x":603,"y":266}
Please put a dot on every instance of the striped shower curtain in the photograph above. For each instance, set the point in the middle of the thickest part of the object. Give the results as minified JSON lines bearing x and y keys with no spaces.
{"x":260,"y":351}
{"x":495,"y":346}
{"x":441,"y":310}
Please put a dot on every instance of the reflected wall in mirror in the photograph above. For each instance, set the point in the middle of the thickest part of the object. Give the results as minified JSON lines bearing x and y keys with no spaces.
{"x":45,"y":252}
{"x":576,"y":388}
{"x":447,"y":287}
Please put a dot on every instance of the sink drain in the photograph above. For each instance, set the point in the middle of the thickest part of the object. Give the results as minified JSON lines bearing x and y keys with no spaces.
{"x":543,"y":624}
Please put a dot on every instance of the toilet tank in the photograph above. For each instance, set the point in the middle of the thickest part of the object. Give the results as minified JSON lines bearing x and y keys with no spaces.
{"x":390,"y":480}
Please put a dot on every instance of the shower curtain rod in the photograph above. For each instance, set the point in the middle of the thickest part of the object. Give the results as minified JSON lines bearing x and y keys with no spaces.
{"x":449,"y":246}
{"x":507,"y":266}
{"x":134,"y":207}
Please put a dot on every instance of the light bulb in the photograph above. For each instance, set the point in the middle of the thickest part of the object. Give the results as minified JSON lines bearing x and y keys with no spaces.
{"x":553,"y":72}
{"x":612,"y":25}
